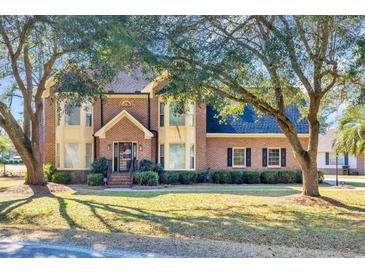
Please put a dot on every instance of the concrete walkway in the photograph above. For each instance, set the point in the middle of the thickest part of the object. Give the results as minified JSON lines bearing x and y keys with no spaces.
{"x":332,"y":181}
{"x":40,"y":249}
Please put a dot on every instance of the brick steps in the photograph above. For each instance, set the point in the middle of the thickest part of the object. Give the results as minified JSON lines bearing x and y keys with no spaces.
{"x":119,"y":179}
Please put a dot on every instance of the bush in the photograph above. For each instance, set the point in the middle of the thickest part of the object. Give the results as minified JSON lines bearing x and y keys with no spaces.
{"x":146,"y":165}
{"x":251,"y":177}
{"x":269,"y":177}
{"x":222,"y":177}
{"x":201,"y":176}
{"x":320,"y":177}
{"x":149,"y":178}
{"x":61,"y":177}
{"x":95,"y":179}
{"x":171,"y":177}
{"x":188,"y":177}
{"x":287,"y":176}
{"x":100,"y":165}
{"x":48,"y":171}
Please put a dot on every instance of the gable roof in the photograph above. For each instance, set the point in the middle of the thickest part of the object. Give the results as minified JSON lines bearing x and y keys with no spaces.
{"x":249,"y":122}
{"x":101,"y":132}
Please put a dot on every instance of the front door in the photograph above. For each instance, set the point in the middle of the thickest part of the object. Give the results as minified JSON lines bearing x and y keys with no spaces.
{"x":125,"y":156}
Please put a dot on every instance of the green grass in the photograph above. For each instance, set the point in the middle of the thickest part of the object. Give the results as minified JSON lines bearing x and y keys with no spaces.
{"x":6,"y":182}
{"x":261,"y":217}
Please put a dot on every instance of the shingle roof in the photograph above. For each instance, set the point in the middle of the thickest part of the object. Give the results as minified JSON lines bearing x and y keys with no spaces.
{"x":249,"y":122}
{"x":126,"y":82}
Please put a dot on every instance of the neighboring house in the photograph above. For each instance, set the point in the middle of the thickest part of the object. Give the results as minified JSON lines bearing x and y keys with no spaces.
{"x":326,"y":159}
{"x":132,"y":122}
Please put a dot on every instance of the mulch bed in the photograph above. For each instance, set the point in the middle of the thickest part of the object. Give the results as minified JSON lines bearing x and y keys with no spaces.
{"x":322,"y":201}
{"x":37,"y":189}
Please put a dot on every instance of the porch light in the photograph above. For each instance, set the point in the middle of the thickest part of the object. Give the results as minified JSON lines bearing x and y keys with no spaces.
{"x":140,"y":147}
{"x":109,"y":147}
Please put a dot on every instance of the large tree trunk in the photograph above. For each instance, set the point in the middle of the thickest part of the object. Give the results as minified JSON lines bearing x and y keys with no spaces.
{"x":35,"y":173}
{"x":310,"y":177}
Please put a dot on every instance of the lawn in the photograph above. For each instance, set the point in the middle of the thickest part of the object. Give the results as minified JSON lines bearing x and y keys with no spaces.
{"x":260,"y":217}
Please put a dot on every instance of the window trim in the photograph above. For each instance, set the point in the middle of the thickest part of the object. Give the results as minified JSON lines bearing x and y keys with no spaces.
{"x":160,"y":156}
{"x":268,"y":161}
{"x":238,"y":166}
{"x":169,"y":120}
{"x":192,"y":156}
{"x":160,"y":114}
{"x":80,"y":119}
{"x":340,"y":155}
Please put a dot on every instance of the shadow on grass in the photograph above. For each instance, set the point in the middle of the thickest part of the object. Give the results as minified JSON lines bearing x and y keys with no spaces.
{"x":279,"y":225}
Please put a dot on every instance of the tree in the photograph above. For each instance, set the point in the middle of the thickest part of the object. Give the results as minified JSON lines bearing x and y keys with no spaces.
{"x":4,"y":147}
{"x":350,"y":136}
{"x":33,"y":49}
{"x":270,"y":62}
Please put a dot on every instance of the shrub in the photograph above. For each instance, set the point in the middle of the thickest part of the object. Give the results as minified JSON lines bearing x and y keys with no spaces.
{"x":269,"y":177}
{"x":188,"y":177}
{"x":61,"y":177}
{"x":149,"y":178}
{"x":287,"y":176}
{"x":171,"y":177}
{"x":146,"y":165}
{"x":320,"y":177}
{"x":201,"y":176}
{"x":48,"y":171}
{"x":95,"y":179}
{"x":222,"y":177}
{"x":251,"y":177}
{"x":100,"y":165}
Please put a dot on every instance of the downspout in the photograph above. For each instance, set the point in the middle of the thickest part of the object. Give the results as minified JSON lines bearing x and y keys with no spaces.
{"x":155,"y":132}
{"x":101,"y":123}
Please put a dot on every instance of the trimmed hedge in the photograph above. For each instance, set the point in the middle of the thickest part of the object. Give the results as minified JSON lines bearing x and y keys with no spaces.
{"x":95,"y":179}
{"x":184,"y":177}
{"x":61,"y":177}
{"x":281,"y":177}
{"x":149,"y":178}
{"x":222,"y":177}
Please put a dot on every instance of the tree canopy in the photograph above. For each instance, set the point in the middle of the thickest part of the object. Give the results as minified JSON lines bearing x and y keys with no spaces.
{"x":269,"y":62}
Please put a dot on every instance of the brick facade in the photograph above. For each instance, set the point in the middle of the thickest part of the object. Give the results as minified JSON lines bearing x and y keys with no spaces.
{"x":216,"y":149}
{"x":201,"y":140}
{"x":125,"y":131}
{"x":49,"y":146}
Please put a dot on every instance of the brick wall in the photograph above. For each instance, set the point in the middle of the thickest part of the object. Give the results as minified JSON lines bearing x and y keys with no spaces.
{"x":360,"y":164}
{"x":216,"y":153}
{"x":201,"y":140}
{"x":49,"y":131}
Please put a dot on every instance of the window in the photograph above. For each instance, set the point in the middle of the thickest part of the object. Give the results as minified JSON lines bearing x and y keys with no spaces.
{"x":88,"y":115}
{"x":192,"y":158}
{"x":57,"y":155}
{"x":58,"y":118}
{"x":162,"y":114}
{"x":177,"y":156}
{"x":341,"y":160}
{"x":191,"y":115}
{"x":72,"y":116}
{"x":72,"y":156}
{"x":88,"y":155}
{"x":176,"y":118}
{"x":239,"y":157}
{"x":162,"y":155}
{"x":273,"y":157}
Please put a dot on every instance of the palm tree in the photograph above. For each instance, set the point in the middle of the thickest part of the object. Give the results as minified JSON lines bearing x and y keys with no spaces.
{"x":350,"y":136}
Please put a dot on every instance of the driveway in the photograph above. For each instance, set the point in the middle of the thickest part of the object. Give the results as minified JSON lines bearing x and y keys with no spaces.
{"x":332,"y":181}
{"x":40,"y":249}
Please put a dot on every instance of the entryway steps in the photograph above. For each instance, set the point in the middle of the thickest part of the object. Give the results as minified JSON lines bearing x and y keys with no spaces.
{"x":120,"y":178}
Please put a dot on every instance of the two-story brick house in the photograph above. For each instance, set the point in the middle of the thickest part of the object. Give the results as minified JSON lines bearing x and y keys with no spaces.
{"x":133,"y":122}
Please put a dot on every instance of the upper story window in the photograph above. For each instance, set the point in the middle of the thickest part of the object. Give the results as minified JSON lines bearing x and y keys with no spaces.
{"x":162,"y":114}
{"x":176,"y":118}
{"x":72,"y":116}
{"x":191,"y":115}
{"x":88,"y":115}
